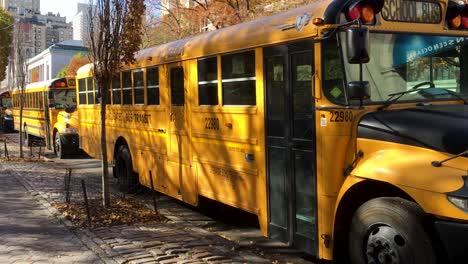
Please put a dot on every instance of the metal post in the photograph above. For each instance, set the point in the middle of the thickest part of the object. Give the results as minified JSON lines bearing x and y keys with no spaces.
{"x":6,"y":150}
{"x":67,"y":185}
{"x":85,"y":195}
{"x":153,"y":193}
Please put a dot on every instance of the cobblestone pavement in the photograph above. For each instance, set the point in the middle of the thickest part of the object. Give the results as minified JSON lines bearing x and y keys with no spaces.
{"x":30,"y":234}
{"x":189,"y":236}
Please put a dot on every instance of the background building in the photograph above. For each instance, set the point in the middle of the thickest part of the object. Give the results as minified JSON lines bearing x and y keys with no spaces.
{"x":48,"y":63}
{"x":39,"y":31}
{"x":81,"y":23}
{"x":21,"y":7}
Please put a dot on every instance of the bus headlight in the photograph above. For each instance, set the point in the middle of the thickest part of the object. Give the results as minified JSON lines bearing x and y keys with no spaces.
{"x":459,"y":202}
{"x":70,"y":130}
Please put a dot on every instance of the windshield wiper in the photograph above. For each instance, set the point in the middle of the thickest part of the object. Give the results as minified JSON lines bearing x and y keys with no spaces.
{"x":395,"y":96}
{"x":455,"y":94}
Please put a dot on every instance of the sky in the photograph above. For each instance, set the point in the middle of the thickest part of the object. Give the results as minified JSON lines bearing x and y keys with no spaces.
{"x":64,"y":7}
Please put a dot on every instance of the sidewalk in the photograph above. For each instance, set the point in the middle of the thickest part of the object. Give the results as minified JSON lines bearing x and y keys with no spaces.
{"x":30,"y":234}
{"x":172,"y":242}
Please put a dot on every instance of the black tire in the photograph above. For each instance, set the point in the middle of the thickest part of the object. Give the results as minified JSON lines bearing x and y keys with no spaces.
{"x":58,"y":146}
{"x":389,"y":230}
{"x":127,"y":180}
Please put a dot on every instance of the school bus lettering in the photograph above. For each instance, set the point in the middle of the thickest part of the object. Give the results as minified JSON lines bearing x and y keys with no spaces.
{"x":129,"y":117}
{"x":228,"y":175}
{"x":412,"y":11}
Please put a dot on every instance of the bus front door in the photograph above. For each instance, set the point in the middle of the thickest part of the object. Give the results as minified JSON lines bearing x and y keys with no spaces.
{"x":179,"y":181}
{"x":290,"y":124}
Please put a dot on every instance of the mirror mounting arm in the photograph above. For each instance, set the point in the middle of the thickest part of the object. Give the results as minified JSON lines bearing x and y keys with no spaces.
{"x":340,"y":26}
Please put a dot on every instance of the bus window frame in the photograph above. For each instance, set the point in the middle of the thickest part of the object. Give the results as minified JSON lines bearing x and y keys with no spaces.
{"x":217,"y":81}
{"x":93,"y":96}
{"x":80,"y":91}
{"x":134,"y":88}
{"x":119,"y":89}
{"x":243,"y":79}
{"x":155,"y":87}
{"x":129,"y":88}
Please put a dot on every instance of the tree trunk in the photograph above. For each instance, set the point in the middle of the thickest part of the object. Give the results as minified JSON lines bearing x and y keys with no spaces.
{"x":105,"y":164}
{"x":21,"y":139}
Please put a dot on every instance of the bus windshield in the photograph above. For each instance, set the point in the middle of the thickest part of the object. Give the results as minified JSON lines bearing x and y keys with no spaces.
{"x":64,"y":98}
{"x":6,"y":102}
{"x":400,"y":62}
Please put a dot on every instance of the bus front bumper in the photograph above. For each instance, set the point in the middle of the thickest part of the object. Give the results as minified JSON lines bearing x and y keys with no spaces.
{"x":454,"y":239}
{"x":7,"y":125}
{"x":70,"y":142}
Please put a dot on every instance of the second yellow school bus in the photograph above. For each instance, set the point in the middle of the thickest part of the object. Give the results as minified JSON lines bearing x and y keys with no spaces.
{"x":346,"y":152}
{"x":44,"y":118}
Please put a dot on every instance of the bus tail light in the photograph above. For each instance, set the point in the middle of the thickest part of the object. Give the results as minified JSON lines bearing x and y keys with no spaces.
{"x":364,"y":10}
{"x":464,"y":21}
{"x":456,"y":14}
{"x":464,"y":18}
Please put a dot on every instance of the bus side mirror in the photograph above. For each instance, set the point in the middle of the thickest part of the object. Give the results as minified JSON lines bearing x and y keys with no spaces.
{"x":70,"y":109}
{"x":359,"y":90}
{"x":357,"y":42}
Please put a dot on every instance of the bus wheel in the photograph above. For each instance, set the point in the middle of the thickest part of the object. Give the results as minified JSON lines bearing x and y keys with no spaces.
{"x":58,"y":146}
{"x":126,"y":178}
{"x":389,"y":230}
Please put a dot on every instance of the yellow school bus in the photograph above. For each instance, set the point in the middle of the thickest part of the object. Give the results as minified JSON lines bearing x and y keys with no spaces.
{"x":6,"y":117}
{"x":47,"y":115}
{"x":341,"y":124}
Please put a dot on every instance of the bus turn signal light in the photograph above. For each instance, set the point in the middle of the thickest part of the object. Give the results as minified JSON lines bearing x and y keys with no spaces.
{"x":455,"y":22}
{"x":457,"y":15}
{"x":364,"y":10}
{"x":60,"y":84}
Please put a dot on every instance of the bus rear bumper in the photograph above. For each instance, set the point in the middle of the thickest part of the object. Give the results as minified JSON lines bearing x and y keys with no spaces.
{"x":454,"y":239}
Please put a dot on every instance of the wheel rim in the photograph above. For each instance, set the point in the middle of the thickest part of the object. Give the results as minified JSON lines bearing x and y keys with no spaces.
{"x":57,"y":144}
{"x":385,"y":245}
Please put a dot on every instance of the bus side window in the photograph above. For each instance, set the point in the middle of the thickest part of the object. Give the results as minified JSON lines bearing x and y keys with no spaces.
{"x":177,"y":86}
{"x":238,"y":74}
{"x":332,"y":72}
{"x":208,"y":81}
{"x":82,"y":91}
{"x":152,"y":86}
{"x":127,"y":87}
{"x":116,"y":92}
{"x":138,"y":87}
{"x":90,"y":87}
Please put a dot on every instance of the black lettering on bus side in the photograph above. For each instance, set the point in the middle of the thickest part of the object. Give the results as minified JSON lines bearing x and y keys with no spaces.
{"x":212,"y":123}
{"x":341,"y":116}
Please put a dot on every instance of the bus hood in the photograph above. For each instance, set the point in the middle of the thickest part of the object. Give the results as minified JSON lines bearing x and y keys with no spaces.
{"x":443,"y":127}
